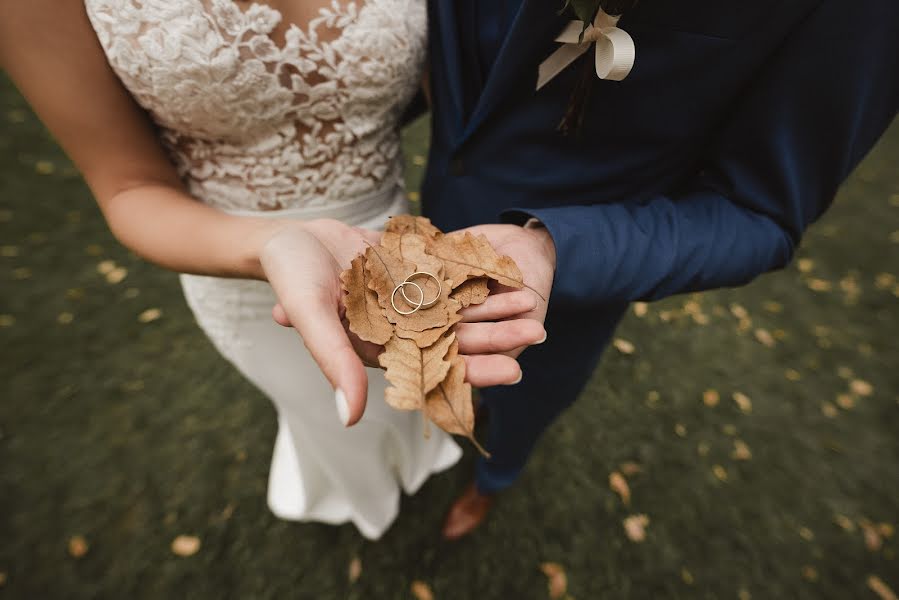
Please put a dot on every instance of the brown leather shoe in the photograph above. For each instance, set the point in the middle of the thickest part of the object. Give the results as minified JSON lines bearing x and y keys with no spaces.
{"x":467,"y":513}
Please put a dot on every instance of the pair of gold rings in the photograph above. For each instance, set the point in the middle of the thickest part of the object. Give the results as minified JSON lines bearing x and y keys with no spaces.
{"x":420,"y":303}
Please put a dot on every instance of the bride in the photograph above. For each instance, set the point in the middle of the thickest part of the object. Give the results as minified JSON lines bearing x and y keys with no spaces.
{"x":255,"y":149}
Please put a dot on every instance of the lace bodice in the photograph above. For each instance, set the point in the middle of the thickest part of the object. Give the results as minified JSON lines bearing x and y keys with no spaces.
{"x":256,"y":122}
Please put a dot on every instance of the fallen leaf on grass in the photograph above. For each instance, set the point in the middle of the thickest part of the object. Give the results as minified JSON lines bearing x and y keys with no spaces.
{"x":623,"y":346}
{"x":765,"y":338}
{"x":422,"y":591}
{"x":719,"y":472}
{"x":873,"y":540}
{"x":557,"y":580}
{"x":354,"y":571}
{"x":877,"y":585}
{"x":78,"y":546}
{"x":845,"y":401}
{"x":844,"y":522}
{"x":619,"y":485}
{"x":861,"y":387}
{"x":809,"y":573}
{"x":640,"y":309}
{"x":186,"y":545}
{"x":743,"y":402}
{"x":630,"y":468}
{"x":711,"y":398}
{"x":149,"y":315}
{"x":635,"y":527}
{"x":741,"y":451}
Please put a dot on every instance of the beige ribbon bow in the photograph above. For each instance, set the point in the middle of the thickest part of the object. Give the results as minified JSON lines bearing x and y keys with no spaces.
{"x":615,"y":50}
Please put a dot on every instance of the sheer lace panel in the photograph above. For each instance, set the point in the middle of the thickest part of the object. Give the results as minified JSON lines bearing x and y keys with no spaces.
{"x":262,"y":114}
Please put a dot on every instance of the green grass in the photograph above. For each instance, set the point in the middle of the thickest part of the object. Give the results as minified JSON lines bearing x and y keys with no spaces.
{"x":131,"y":433}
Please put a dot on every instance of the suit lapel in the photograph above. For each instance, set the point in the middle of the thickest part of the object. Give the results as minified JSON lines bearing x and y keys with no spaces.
{"x":529,"y":42}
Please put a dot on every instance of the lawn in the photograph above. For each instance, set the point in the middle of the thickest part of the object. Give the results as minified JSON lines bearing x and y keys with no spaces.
{"x":756,"y":430}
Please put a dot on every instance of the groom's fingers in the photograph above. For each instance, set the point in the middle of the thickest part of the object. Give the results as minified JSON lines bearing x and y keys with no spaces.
{"x":316,"y":320}
{"x":499,"y":337}
{"x":500,"y":306}
{"x":493,"y":369}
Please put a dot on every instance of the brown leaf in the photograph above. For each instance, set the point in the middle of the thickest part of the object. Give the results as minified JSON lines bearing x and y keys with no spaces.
{"x":619,"y":485}
{"x":186,"y":545}
{"x":365,"y":314}
{"x":883,"y":591}
{"x":425,"y":338}
{"x":386,"y":272}
{"x":413,"y":371}
{"x":873,"y":540}
{"x":411,"y":224}
{"x":630,"y":468}
{"x":421,"y":591}
{"x":473,"y":291}
{"x":468,"y":256}
{"x":450,"y":405}
{"x":354,"y":571}
{"x":711,"y":398}
{"x":623,"y":346}
{"x":557,"y":580}
{"x":78,"y":546}
{"x":635,"y":527}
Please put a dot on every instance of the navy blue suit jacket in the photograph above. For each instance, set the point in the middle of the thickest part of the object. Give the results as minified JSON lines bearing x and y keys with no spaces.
{"x":702,"y":169}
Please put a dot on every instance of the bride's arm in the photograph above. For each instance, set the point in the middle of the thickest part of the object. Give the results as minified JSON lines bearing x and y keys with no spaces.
{"x":52,"y":54}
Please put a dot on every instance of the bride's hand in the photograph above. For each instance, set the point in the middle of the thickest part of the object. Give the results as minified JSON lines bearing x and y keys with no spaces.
{"x":302,"y":262}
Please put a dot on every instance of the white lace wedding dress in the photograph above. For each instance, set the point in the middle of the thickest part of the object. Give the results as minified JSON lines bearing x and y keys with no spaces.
{"x":269,"y":118}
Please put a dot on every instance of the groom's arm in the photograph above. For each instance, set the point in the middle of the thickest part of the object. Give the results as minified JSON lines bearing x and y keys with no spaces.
{"x":813,"y":113}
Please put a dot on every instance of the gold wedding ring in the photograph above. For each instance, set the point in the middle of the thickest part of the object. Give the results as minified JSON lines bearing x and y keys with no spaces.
{"x":402,"y":287}
{"x":424,"y":304}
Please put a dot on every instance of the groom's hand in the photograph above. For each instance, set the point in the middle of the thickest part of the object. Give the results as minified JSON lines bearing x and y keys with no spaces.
{"x":535,"y":253}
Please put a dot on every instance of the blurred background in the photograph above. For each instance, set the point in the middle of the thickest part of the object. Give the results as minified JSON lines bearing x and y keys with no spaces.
{"x":735,"y":444}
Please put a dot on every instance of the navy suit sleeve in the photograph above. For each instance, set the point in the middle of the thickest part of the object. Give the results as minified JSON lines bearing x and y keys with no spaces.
{"x":812,"y":113}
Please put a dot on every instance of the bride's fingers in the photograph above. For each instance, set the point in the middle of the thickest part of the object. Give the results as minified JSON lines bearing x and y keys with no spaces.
{"x":499,"y":337}
{"x":280,"y":316}
{"x":317,"y":322}
{"x":493,"y":369}
{"x":500,"y":306}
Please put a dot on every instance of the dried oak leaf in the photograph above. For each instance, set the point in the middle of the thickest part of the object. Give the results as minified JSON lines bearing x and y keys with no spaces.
{"x":427,"y":337}
{"x":414,"y":371}
{"x":386,"y":271}
{"x":619,"y":485}
{"x":556,"y":579}
{"x":467,"y":256}
{"x":421,"y":590}
{"x":450,"y":405}
{"x":412,"y":224}
{"x":411,"y":247}
{"x":635,"y":527}
{"x":365,"y":314}
{"x":473,"y":291}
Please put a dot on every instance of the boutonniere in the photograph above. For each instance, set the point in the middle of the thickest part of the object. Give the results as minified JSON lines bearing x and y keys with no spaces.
{"x":614,"y":51}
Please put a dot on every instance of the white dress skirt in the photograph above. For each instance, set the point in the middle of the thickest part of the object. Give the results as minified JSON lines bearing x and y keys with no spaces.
{"x":321,"y":471}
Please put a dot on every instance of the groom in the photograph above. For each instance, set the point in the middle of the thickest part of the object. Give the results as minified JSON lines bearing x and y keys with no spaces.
{"x":700,"y":169}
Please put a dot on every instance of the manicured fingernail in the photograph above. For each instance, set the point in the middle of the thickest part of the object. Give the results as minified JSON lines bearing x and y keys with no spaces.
{"x":343,"y":409}
{"x":543,"y":339}
{"x":520,"y":375}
